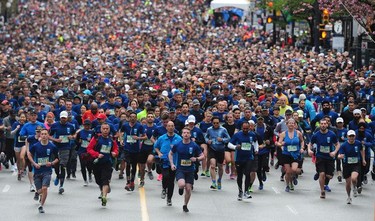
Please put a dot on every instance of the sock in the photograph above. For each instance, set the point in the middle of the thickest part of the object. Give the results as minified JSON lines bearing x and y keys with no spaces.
{"x":214,"y":181}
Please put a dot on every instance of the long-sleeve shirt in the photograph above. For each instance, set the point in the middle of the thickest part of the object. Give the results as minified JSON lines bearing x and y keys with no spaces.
{"x":214,"y":133}
{"x":164,"y":144}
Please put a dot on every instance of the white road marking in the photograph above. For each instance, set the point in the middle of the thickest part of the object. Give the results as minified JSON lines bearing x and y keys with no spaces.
{"x":292,"y":209}
{"x":6,"y":188}
{"x":276,"y":190}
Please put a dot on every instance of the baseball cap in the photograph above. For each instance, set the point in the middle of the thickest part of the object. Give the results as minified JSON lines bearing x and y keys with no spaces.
{"x":251,"y":122}
{"x":357,"y":111}
{"x":196,"y":102}
{"x":339,"y":120}
{"x":64,"y":114}
{"x":147,"y":103}
{"x":288,"y":112}
{"x":5,"y":102}
{"x":172,"y":109}
{"x":260,"y":118}
{"x":351,"y":132}
{"x":264,"y":107}
{"x":300,"y":113}
{"x":87,"y":122}
{"x":102,"y":116}
{"x":191,"y":119}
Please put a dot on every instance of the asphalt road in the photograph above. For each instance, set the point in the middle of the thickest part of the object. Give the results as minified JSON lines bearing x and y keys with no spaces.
{"x":272,"y":203}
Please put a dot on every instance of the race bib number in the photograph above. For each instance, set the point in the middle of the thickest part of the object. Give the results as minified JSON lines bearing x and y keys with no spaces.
{"x":325,"y":149}
{"x":185,"y":163}
{"x":246,"y":146}
{"x":64,"y":139}
{"x":148,"y":142}
{"x":84,"y":144}
{"x":130,"y":139}
{"x":352,"y":160}
{"x":105,"y":149}
{"x":291,"y":148}
{"x":111,"y":112}
{"x":42,"y":161}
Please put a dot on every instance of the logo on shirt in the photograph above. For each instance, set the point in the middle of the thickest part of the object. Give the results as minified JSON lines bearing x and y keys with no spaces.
{"x":328,"y":139}
{"x":190,"y":150}
{"x":68,"y":130}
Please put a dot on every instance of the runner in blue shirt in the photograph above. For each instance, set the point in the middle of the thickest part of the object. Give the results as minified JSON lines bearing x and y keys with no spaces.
{"x":187,"y":154}
{"x":341,"y":136}
{"x":162,"y":147}
{"x":132,"y":133}
{"x":326,"y":144}
{"x":352,"y":154}
{"x":61,"y":133}
{"x":43,"y":156}
{"x":246,"y":145}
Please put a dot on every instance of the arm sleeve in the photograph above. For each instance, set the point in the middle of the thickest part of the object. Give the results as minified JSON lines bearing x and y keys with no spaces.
{"x":90,"y":148}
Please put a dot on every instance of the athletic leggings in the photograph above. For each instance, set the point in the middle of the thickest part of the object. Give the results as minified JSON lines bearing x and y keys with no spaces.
{"x":168,"y":181}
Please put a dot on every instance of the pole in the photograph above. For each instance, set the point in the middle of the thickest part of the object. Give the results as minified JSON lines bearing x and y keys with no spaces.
{"x":317,"y":18}
{"x":274,"y":27}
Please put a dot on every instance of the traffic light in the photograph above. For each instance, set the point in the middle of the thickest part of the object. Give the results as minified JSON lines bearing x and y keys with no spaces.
{"x":325,"y":16}
{"x":269,"y":20}
{"x":323,"y":33}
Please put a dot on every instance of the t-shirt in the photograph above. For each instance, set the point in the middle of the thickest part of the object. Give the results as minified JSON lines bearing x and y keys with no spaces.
{"x":247,"y":142}
{"x":324,"y":144}
{"x":132,"y":145}
{"x":183,"y":154}
{"x":352,"y":152}
{"x":43,"y":154}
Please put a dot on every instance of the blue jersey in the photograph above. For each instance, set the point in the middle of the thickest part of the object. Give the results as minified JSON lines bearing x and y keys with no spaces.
{"x":198,"y":135}
{"x":147,"y":144}
{"x":341,"y":133}
{"x":214,"y":133}
{"x":247,"y":142}
{"x":352,"y":152}
{"x":368,"y":142}
{"x":132,"y":145}
{"x":32,"y":140}
{"x":62,"y":131}
{"x":30,"y":128}
{"x":18,"y":140}
{"x":164,"y":144}
{"x":204,"y":126}
{"x":43,"y":154}
{"x":324,"y":144}
{"x":292,"y":145}
{"x":84,"y":137}
{"x":183,"y":154}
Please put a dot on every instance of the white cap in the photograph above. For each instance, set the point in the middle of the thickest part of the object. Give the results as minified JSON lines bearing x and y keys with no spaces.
{"x":351,"y":132}
{"x":302,"y":97}
{"x":143,"y":76}
{"x":316,"y":90}
{"x":300,"y":113}
{"x":164,"y":93}
{"x":59,"y":93}
{"x":191,"y":119}
{"x":339,"y":120}
{"x":259,"y":87}
{"x":64,"y":114}
{"x":127,"y":87}
{"x":251,"y":122}
{"x":357,"y":111}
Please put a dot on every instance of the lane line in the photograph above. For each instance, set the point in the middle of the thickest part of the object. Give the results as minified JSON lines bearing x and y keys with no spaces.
{"x":6,"y":188}
{"x":276,"y":190}
{"x":143,"y":202}
{"x":292,"y":209}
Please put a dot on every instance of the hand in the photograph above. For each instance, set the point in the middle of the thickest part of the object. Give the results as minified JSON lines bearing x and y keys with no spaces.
{"x":173,"y":167}
{"x":160,"y":155}
{"x":219,"y":139}
{"x":135,"y":137}
{"x":18,"y":127}
{"x":113,"y":154}
{"x":58,"y":140}
{"x":364,"y":162}
{"x":310,"y":153}
{"x":193,"y":159}
{"x":332,"y":154}
{"x":301,"y":150}
{"x":100,"y":155}
{"x":37,"y":166}
{"x":238,"y":146}
{"x":193,"y":139}
{"x":267,"y":142}
{"x":209,"y":142}
{"x":48,"y":164}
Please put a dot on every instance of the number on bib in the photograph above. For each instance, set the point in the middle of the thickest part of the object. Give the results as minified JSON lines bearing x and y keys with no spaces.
{"x":186,"y":163}
{"x":42,"y":161}
{"x":325,"y":149}
{"x":291,"y":148}
{"x":246,"y":146}
{"x":64,"y":139}
{"x":105,"y":149}
{"x":352,"y":160}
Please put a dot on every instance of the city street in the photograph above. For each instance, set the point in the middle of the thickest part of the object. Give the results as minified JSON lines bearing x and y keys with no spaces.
{"x":272,"y":203}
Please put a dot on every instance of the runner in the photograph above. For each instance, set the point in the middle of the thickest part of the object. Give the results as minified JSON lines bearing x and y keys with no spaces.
{"x":43,"y":156}
{"x":187,"y":154}
{"x":103,"y":148}
{"x":351,"y":152}
{"x":326,"y":144}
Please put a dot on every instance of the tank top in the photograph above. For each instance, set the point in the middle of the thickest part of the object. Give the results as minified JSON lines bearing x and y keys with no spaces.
{"x":292,"y":145}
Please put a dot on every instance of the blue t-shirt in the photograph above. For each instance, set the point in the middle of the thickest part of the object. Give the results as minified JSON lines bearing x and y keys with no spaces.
{"x":18,"y":141}
{"x":325,"y":143}
{"x":247,"y":145}
{"x":43,"y":154}
{"x":352,"y":152}
{"x":198,"y":135}
{"x":184,"y":153}
{"x":147,"y":145}
{"x":29,"y":128}
{"x":32,"y":140}
{"x":62,"y":131}
{"x":130,"y":144}
{"x":84,"y":138}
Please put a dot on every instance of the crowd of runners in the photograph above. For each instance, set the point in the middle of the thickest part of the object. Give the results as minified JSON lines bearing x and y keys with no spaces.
{"x":152,"y":88}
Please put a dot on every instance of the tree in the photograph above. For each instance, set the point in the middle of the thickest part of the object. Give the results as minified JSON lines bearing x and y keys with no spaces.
{"x":363,"y":11}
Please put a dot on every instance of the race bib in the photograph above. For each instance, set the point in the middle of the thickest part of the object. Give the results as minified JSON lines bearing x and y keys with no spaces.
{"x":291,"y":148}
{"x":105,"y":149}
{"x":111,"y":112}
{"x":20,"y":140}
{"x":352,"y":160}
{"x":325,"y":149}
{"x":148,"y":142}
{"x":42,"y":161}
{"x":64,"y":139}
{"x":186,"y":163}
{"x":130,"y":139}
{"x":84,"y":144}
{"x":246,"y":146}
